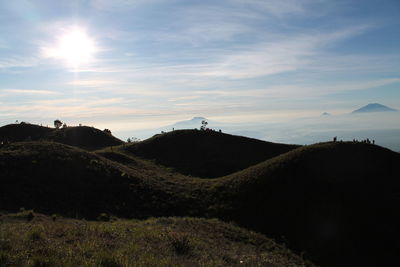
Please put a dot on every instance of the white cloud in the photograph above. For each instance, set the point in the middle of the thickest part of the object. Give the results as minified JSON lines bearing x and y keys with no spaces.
{"x":315,"y":90}
{"x":18,"y":62}
{"x":277,"y":56}
{"x":205,"y":31}
{"x":121,"y":5}
{"x":28,"y":91}
{"x":183,"y":98}
{"x":93,"y":83}
{"x":358,"y":85}
{"x":275,"y":7}
{"x":292,"y":92}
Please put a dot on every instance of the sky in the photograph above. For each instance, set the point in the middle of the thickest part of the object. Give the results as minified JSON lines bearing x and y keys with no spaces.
{"x":129,"y":65}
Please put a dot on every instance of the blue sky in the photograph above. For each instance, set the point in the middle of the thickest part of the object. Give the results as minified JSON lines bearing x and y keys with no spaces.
{"x":154,"y":62}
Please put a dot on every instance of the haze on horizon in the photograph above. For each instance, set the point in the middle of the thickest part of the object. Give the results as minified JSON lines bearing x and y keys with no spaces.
{"x":135,"y":65}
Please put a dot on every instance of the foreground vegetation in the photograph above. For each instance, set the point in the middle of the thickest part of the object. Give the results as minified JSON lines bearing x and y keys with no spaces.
{"x":29,"y":239}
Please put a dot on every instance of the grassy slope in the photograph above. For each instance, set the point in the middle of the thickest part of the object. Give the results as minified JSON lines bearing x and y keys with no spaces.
{"x":52,"y":177}
{"x":153,"y":242}
{"x":23,"y":131}
{"x":332,"y":200}
{"x":206,"y":154}
{"x":84,"y":137}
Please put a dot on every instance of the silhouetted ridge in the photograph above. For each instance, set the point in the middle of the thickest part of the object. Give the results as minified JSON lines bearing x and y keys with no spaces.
{"x":206,"y":154}
{"x":24,"y":132}
{"x":82,"y":136}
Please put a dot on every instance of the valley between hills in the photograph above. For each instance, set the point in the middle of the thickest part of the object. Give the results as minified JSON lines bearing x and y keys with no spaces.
{"x":78,"y":196}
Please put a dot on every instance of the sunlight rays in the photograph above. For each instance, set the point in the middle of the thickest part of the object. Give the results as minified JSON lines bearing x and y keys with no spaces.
{"x":75,"y":47}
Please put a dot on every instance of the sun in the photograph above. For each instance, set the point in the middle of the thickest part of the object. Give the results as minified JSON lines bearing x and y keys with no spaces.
{"x":74,"y":47}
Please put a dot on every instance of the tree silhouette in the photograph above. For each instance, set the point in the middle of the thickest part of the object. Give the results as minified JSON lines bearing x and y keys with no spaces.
{"x":57,"y":124}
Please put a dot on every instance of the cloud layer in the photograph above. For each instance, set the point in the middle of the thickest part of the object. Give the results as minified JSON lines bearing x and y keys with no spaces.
{"x":241,"y":60}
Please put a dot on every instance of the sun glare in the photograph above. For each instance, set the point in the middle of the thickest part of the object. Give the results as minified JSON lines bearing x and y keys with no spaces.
{"x":75,"y":47}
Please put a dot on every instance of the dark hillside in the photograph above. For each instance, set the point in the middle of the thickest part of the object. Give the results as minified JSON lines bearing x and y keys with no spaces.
{"x":23,"y":132}
{"x":51,"y":177}
{"x":338,"y":202}
{"x":206,"y":154}
{"x":83,"y":137}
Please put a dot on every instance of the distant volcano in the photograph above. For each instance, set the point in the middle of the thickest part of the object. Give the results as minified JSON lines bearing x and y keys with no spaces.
{"x":375,"y":107}
{"x":198,"y":119}
{"x":194,"y":122}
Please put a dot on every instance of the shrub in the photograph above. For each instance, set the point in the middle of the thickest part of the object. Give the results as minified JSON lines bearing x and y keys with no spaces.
{"x":30,"y":215}
{"x":180,"y":243}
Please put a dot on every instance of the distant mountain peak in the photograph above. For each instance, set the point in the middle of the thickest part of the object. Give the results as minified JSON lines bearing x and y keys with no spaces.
{"x":374,"y":107}
{"x":198,"y":118}
{"x":325,"y":114}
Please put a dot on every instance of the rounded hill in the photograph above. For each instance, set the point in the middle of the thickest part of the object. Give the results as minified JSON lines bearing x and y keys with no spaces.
{"x":82,"y":136}
{"x":206,"y":154}
{"x":23,"y":132}
{"x":333,"y":201}
{"x":55,"y":178}
{"x":52,"y":177}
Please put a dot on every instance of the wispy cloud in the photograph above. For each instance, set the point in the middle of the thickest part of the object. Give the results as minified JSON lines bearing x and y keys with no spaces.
{"x":93,"y":83}
{"x":278,"y":54}
{"x":67,"y":102}
{"x":291,"y":92}
{"x":276,"y":7}
{"x":28,"y":91}
{"x":359,"y":85}
{"x":184,"y":98}
{"x":18,"y":62}
{"x":284,"y":55}
{"x":161,"y":59}
{"x":198,"y":33}
{"x":121,"y":5}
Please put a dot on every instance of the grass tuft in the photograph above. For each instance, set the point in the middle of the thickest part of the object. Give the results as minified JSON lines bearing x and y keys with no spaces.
{"x":105,"y":217}
{"x":107,"y":260}
{"x":35,"y":236}
{"x":43,"y":261}
{"x":180,"y":243}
